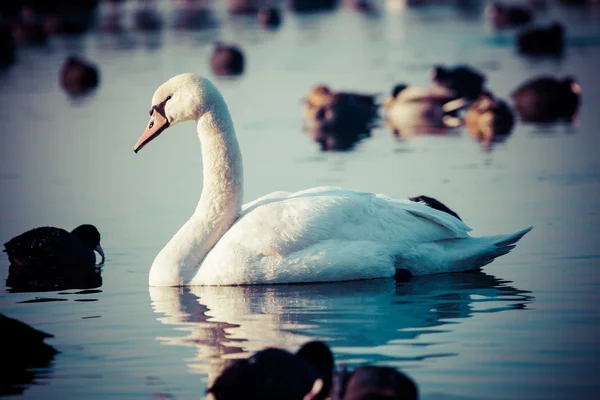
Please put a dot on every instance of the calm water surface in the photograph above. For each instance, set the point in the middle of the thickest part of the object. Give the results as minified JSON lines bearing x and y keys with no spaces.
{"x":526,"y":328}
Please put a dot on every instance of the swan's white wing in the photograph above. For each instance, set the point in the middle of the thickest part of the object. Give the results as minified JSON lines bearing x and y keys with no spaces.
{"x":322,"y":234}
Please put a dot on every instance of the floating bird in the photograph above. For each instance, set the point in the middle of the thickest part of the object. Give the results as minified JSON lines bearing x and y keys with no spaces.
{"x":508,"y":15}
{"x":274,"y":374}
{"x":50,"y":258}
{"x":321,"y":234}
{"x":337,"y":120}
{"x":78,"y":76}
{"x":24,"y":351}
{"x":269,"y":17}
{"x":547,"y":99}
{"x":227,"y":59}
{"x":414,"y":110}
{"x":487,"y":119}
{"x":461,"y":80}
{"x":542,"y":41}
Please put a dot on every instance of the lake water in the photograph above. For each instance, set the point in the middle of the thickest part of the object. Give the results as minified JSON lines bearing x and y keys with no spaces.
{"x":527,"y":327}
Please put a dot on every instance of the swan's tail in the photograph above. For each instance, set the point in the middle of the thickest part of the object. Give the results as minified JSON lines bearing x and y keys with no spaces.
{"x":474,"y":253}
{"x":456,"y":255}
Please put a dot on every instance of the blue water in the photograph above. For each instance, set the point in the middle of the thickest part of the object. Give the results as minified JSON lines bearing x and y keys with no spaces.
{"x":527,"y":327}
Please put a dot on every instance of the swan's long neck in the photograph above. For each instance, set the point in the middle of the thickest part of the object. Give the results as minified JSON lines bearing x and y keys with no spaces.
{"x":219,"y":205}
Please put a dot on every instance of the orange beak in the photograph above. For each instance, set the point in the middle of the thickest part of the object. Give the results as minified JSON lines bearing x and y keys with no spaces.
{"x":158,"y":123}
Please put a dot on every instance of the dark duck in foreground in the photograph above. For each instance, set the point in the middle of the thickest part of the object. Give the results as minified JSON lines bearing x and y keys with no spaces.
{"x":309,"y":374}
{"x":273,"y":374}
{"x":49,"y":258}
{"x":24,"y":352}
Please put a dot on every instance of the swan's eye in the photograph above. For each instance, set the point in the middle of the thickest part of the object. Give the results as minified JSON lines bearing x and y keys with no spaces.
{"x":168,"y":98}
{"x":151,"y":125}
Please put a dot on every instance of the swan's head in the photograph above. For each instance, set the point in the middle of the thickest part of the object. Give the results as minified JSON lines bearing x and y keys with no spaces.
{"x":185,"y":97}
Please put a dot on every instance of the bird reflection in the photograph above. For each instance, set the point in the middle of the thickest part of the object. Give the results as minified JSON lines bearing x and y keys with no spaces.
{"x":230,"y":322}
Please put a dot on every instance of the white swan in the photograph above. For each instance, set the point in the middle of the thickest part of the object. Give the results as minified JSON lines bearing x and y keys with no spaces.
{"x":317,"y":235}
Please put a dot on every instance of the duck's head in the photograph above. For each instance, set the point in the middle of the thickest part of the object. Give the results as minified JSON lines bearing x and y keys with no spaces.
{"x":396,"y":90}
{"x":318,"y":96}
{"x":185,"y":97}
{"x":90,"y":237}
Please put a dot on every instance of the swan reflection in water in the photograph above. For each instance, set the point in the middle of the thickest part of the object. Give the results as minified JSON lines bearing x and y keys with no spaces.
{"x":232,"y":322}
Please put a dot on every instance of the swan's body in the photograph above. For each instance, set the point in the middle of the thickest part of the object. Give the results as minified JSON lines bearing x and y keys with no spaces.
{"x":317,"y":235}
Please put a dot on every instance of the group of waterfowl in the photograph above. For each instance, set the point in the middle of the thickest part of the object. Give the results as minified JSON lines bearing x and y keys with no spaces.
{"x":270,"y":374}
{"x":308,"y":374}
{"x":457,"y":96}
{"x":33,"y":22}
{"x":531,"y":40}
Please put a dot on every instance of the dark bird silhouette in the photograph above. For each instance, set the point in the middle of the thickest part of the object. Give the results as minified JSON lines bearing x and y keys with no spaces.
{"x":269,"y":17}
{"x":547,"y":99}
{"x":77,"y":76}
{"x":307,"y":6}
{"x":377,"y":383}
{"x":22,"y":349}
{"x":49,"y":258}
{"x":227,"y":59}
{"x":338,"y":120}
{"x":7,"y":47}
{"x":275,"y":374}
{"x":462,"y":80}
{"x":542,"y":41}
{"x":508,"y":15}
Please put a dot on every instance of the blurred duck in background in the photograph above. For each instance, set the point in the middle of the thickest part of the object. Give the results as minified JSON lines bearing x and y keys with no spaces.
{"x":78,"y":76}
{"x":414,"y":110}
{"x":487,"y":119}
{"x":503,"y":15}
{"x":269,"y":17}
{"x":547,"y":99}
{"x":146,"y":17}
{"x":312,"y":5}
{"x":337,"y":120}
{"x":238,"y":7}
{"x":461,"y":80}
{"x":542,"y":40}
{"x":227,"y":59}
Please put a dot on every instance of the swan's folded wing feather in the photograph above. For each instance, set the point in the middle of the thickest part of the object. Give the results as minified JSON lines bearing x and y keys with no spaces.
{"x":441,"y":218}
{"x":321,"y":235}
{"x":275,"y":196}
{"x":281,"y":225}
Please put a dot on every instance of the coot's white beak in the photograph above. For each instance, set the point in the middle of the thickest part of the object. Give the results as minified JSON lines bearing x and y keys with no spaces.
{"x":101,"y":252}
